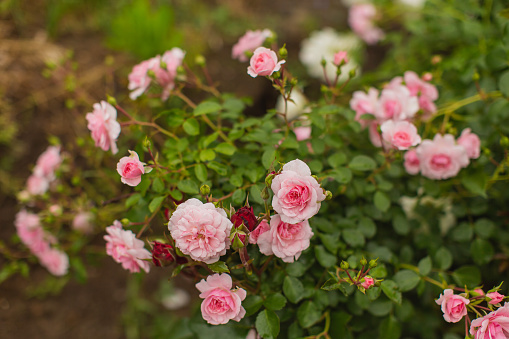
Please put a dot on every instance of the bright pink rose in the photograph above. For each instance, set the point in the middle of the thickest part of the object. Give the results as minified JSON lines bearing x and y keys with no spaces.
{"x":297,"y":195}
{"x":125,"y":249}
{"x":249,"y":42}
{"x":495,"y":297}
{"x":361,"y":19}
{"x":262,"y":227}
{"x":130,"y":169}
{"x":264,"y":63}
{"x":165,"y":77}
{"x":412,"y":164}
{"x":302,"y":133}
{"x":31,"y":233}
{"x":374,"y":136}
{"x":453,"y":306}
{"x":139,"y":80}
{"x":200,"y":230}
{"x":48,"y":162}
{"x":396,"y":103}
{"x":363,"y":103}
{"x":494,"y":325}
{"x":82,"y":222}
{"x":102,"y":122}
{"x":426,"y":92}
{"x":37,"y":185}
{"x":285,"y":241}
{"x":441,"y":158}
{"x":471,"y":142}
{"x":340,"y":58}
{"x":368,"y":282}
{"x":221,"y":303}
{"x":400,"y":134}
{"x":55,"y":261}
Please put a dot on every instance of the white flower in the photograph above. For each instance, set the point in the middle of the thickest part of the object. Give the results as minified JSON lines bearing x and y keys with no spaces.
{"x":295,"y":108}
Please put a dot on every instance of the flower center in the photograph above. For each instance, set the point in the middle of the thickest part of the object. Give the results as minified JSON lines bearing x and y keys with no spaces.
{"x":440,"y":161}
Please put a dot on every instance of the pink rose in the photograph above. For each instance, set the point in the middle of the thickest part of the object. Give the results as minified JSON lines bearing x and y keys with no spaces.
{"x":361,"y":19}
{"x":166,"y":76}
{"x":374,"y":135}
{"x":249,"y":42}
{"x":130,"y":169}
{"x":340,"y":58}
{"x":55,"y":261}
{"x":200,"y":230}
{"x":297,"y":195}
{"x":82,"y":222}
{"x":494,"y":325}
{"x":441,"y":158}
{"x":139,"y":80}
{"x":453,"y":306}
{"x":426,"y":92}
{"x":102,"y":122}
{"x":400,"y":134}
{"x":412,"y":164}
{"x":363,"y":103}
{"x":495,"y":297}
{"x":37,"y":185}
{"x":396,"y":103}
{"x":285,"y":241}
{"x":302,"y":133}
{"x":221,"y":303}
{"x":123,"y":246}
{"x":48,"y":162}
{"x":30,"y":231}
{"x":262,"y":227}
{"x":368,"y":282}
{"x":471,"y":142}
{"x":252,"y":334}
{"x":479,"y":291}
{"x":264,"y":63}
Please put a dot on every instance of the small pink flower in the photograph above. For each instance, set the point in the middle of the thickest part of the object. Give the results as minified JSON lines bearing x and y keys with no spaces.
{"x":412,"y":164}
{"x":471,"y":142}
{"x":361,"y":19}
{"x":123,"y":246}
{"x":221,"y":303}
{"x":285,"y":241}
{"x":249,"y":42}
{"x":368,"y":282}
{"x":441,"y":158}
{"x":139,"y":80}
{"x":396,"y":103}
{"x":200,"y":230}
{"x":297,"y":195}
{"x":302,"y":133}
{"x":479,"y":291}
{"x":82,"y":222}
{"x":37,"y":185}
{"x":48,"y":162}
{"x":453,"y":306}
{"x":264,"y":63}
{"x":427,"y":77}
{"x":252,"y":334}
{"x":340,"y":58}
{"x":30,"y":231}
{"x":426,"y":92}
{"x":363,"y":103}
{"x":262,"y":227}
{"x":400,"y":134}
{"x":130,"y":169}
{"x":495,"y":297}
{"x":55,"y":261}
{"x":102,"y":122}
{"x":166,"y":76}
{"x":374,"y":136}
{"x":494,"y":325}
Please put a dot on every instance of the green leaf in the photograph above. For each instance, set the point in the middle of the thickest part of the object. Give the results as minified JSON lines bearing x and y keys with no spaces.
{"x":255,"y":194}
{"x":239,"y":197}
{"x":176,"y":194}
{"x":367,"y":227}
{"x":191,"y":126}
{"x":79,"y":269}
{"x":400,"y":224}
{"x":342,"y":175}
{"x":132,"y":200}
{"x":267,"y":324}
{"x":382,"y":201}
{"x":210,"y":139}
{"x":484,"y":228}
{"x":482,"y":251}
{"x":467,"y":275}
{"x":236,"y":180}
{"x":158,"y":185}
{"x":206,"y":107}
{"x":406,"y":280}
{"x":308,"y":314}
{"x":275,"y":302}
{"x":217,"y":167}
{"x":252,"y":304}
{"x":362,"y":163}
{"x":331,"y":285}
{"x":293,"y":289}
{"x":443,"y":258}
{"x":225,"y":148}
{"x":475,"y":183}
{"x":155,"y":203}
{"x":425,"y":266}
{"x":219,"y":267}
{"x":337,"y":159}
{"x":503,"y":84}
{"x":324,"y":257}
{"x":338,"y":325}
{"x":353,"y":237}
{"x":200,"y":170}
{"x":268,"y":158}
{"x":389,"y":328}
{"x":188,"y":186}
{"x":207,"y":155}
{"x":390,"y":289}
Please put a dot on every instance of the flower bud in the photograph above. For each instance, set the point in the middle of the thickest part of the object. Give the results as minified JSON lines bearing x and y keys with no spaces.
{"x":328,"y":195}
{"x":151,"y":74}
{"x":294,"y":82}
{"x":427,"y":76}
{"x":276,"y":75}
{"x":476,"y":76}
{"x":200,"y":60}
{"x":283,"y":52}
{"x":111,"y":100}
{"x":265,"y":193}
{"x":161,"y":255}
{"x":352,"y":73}
{"x":344,"y":265}
{"x":504,"y":141}
{"x":268,"y":179}
{"x":367,"y":282}
{"x":436,"y":59}
{"x":323,"y":62}
{"x":363,"y":261}
{"x":244,"y":216}
{"x":125,"y":222}
{"x":373,"y":263}
{"x":205,"y":190}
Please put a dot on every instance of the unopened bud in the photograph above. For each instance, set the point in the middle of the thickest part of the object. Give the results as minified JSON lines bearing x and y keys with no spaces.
{"x":276,"y":75}
{"x":146,"y":142}
{"x":323,"y":62}
{"x":352,"y":73}
{"x":436,"y":59}
{"x":125,"y":222}
{"x":111,"y":100}
{"x":427,"y":76}
{"x":283,"y":52}
{"x":344,"y":265}
{"x":373,"y":263}
{"x":151,"y":73}
{"x":363,"y":261}
{"x":200,"y":60}
{"x":486,"y":151}
{"x":265,"y":193}
{"x":504,"y":141}
{"x":328,"y":195}
{"x":268,"y":179}
{"x":294,"y":82}
{"x":476,"y":76}
{"x":205,"y":190}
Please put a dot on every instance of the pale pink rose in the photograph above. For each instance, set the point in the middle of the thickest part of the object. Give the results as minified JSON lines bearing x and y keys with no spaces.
{"x":252,"y":334}
{"x":426,"y":92}
{"x":285,"y":241}
{"x":453,"y":306}
{"x":363,"y":103}
{"x":374,"y":136}
{"x":297,"y":195}
{"x":368,"y":282}
{"x":55,"y":261}
{"x":302,"y":133}
{"x":400,"y":134}
{"x":166,"y":76}
{"x":471,"y":142}
{"x":48,"y":162}
{"x":340,"y":57}
{"x":221,"y":303}
{"x":200,"y":230}
{"x":264,"y":63}
{"x":139,"y":80}
{"x":130,"y":169}
{"x":102,"y":122}
{"x":494,"y":325}
{"x":412,"y":164}
{"x":396,"y":103}
{"x":495,"y":297}
{"x":30,"y":231}
{"x":262,"y":227}
{"x":441,"y":158}
{"x":123,"y":246}
{"x":361,"y":19}
{"x":37,"y":185}
{"x":55,"y":209}
{"x":249,"y":42}
{"x":427,"y":76}
{"x":82,"y":222}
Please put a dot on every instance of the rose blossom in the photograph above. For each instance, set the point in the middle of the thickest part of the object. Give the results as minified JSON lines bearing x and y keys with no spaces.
{"x":161,"y":255}
{"x":264,"y":63}
{"x":244,"y":216}
{"x":363,"y":103}
{"x":82,"y":222}
{"x":441,"y":158}
{"x":360,"y":19}
{"x":400,"y":134}
{"x":48,"y":162}
{"x":471,"y":142}
{"x":368,"y":282}
{"x":396,"y":104}
{"x":255,"y":234}
{"x":165,"y":77}
{"x":419,"y":88}
{"x":139,"y":80}
{"x":37,"y":185}
{"x":55,"y":261}
{"x":412,"y":164}
{"x":285,"y":241}
{"x":102,"y":122}
{"x":453,"y":306}
{"x":374,"y":135}
{"x":494,"y":325}
{"x":495,"y":297}
{"x":249,"y":42}
{"x":200,"y":230}
{"x":221,"y":303}
{"x":297,"y":195}
{"x":123,"y":246}
{"x":302,"y":133}
{"x":340,"y":57}
{"x":131,"y":169}
{"x":30,"y":231}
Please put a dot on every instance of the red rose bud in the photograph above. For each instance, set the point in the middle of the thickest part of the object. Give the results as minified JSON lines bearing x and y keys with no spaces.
{"x":161,"y":255}
{"x":244,"y":216}
{"x":167,"y":213}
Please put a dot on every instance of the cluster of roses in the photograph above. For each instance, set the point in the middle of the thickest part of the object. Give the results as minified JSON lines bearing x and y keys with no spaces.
{"x":44,"y":171}
{"x":494,"y":325}
{"x":393,"y":111}
{"x":361,"y":18}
